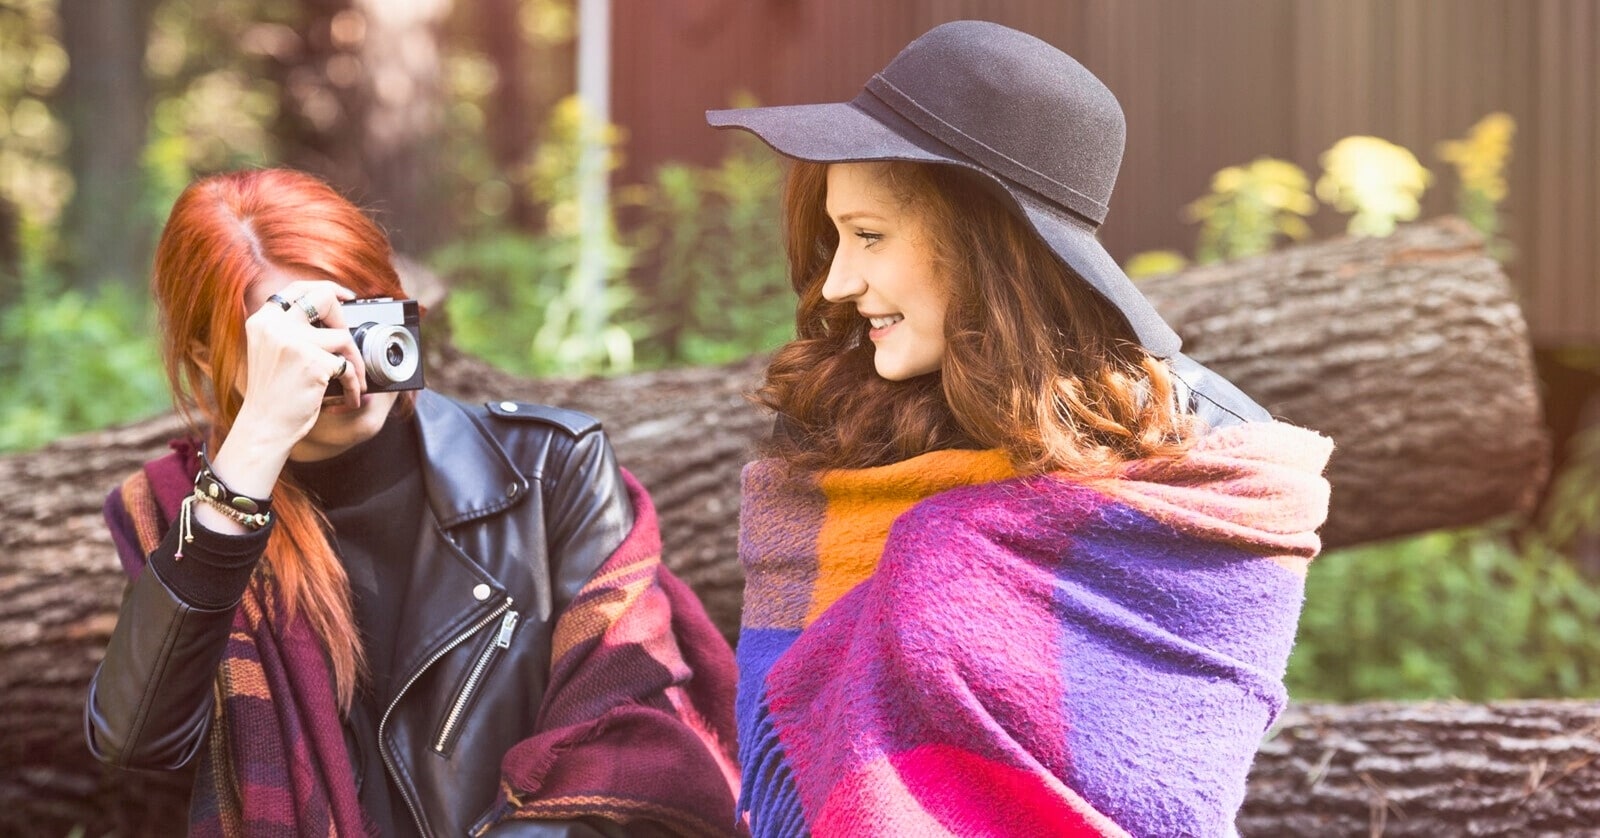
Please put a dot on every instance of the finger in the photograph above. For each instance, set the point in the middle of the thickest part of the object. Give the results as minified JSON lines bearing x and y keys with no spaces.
{"x":308,"y":307}
{"x":345,"y":373}
{"x":339,"y":343}
{"x":319,"y":299}
{"x":336,"y":316}
{"x":312,"y":299}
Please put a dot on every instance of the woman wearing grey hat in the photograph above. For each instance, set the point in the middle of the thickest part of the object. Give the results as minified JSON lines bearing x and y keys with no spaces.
{"x":1014,"y":565}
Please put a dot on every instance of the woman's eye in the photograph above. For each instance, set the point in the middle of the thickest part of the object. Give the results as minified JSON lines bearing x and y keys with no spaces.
{"x":869,"y":238}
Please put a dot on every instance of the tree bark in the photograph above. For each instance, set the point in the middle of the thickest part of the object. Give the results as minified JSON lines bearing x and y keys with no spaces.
{"x":1409,"y":351}
{"x":1523,"y":768}
{"x":105,"y":103}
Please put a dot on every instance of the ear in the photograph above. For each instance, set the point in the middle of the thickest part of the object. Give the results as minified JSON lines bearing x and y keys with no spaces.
{"x":201,"y":355}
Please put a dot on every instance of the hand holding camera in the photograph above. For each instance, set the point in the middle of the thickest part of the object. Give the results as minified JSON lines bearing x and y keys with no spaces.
{"x":315,"y":358}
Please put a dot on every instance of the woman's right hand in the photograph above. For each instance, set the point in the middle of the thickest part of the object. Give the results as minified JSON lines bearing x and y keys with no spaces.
{"x":289,"y":362}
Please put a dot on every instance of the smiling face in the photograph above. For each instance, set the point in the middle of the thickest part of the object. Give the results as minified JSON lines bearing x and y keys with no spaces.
{"x":884,"y":266}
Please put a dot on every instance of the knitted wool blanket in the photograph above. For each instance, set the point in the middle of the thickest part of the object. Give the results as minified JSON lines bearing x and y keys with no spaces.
{"x":636,"y":725}
{"x":939,"y":647}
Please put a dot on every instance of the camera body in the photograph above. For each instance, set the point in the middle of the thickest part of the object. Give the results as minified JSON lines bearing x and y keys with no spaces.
{"x":388,"y":334}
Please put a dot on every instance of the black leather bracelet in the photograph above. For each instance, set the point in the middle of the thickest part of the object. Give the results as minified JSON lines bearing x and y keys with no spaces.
{"x":211,"y":487}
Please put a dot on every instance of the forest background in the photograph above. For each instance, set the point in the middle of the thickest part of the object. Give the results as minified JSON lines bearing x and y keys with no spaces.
{"x":456,"y":126}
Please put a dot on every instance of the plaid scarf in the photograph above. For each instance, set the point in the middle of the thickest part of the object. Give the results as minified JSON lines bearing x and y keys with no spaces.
{"x":938,"y":647}
{"x":636,"y":724}
{"x":275,"y":760}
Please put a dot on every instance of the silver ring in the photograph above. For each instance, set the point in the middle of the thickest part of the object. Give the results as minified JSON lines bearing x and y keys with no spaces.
{"x":282,"y":303}
{"x":344,"y":364}
{"x":305,"y":305}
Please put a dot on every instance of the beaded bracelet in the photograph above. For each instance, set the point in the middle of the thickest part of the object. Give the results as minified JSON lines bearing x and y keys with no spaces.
{"x":208,"y":486}
{"x":186,"y":519}
{"x":248,"y":520}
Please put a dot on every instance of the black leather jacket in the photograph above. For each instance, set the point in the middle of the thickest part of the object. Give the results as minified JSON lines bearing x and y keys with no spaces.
{"x":525,"y":502}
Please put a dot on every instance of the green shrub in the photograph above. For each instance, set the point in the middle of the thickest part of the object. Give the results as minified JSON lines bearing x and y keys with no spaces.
{"x":1447,"y":615}
{"x":516,"y":299}
{"x":716,"y":238}
{"x":71,"y":361}
{"x":514,"y":304}
{"x":1249,"y":208}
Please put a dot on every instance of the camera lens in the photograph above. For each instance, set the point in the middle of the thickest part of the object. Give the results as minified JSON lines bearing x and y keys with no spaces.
{"x":390,"y":353}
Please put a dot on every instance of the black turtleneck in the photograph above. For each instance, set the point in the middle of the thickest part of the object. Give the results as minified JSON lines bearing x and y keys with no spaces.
{"x":373,"y":497}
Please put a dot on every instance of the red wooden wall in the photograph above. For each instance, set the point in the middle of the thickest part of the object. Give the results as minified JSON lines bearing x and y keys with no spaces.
{"x":1205,"y":84}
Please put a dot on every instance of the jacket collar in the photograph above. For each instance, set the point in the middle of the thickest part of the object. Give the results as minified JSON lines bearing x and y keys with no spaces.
{"x":466,"y":472}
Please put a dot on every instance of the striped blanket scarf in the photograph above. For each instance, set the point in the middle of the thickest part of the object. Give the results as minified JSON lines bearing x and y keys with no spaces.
{"x":636,"y":723}
{"x":940,"y":647}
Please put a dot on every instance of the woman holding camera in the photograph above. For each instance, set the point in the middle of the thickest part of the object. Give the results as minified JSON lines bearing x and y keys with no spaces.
{"x":382,"y":611}
{"x":1014,"y":565}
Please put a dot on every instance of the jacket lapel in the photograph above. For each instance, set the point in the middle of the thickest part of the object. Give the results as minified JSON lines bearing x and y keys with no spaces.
{"x":467,"y":474}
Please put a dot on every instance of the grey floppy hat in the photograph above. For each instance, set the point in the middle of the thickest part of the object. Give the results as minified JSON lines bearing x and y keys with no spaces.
{"x":1001,"y":103}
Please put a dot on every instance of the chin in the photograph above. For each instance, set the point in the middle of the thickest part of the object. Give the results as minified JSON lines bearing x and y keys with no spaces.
{"x":904,"y":372}
{"x":339,"y":429}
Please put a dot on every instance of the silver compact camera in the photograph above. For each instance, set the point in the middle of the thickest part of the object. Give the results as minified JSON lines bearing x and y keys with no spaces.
{"x":388,"y":334}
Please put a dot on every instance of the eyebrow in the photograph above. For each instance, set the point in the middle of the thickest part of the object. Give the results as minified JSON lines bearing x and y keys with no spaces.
{"x":851,"y":216}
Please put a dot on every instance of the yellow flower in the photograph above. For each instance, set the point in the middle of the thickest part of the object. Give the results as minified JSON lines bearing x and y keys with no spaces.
{"x":1249,"y":207}
{"x":1377,"y":181}
{"x":1480,"y":157}
{"x":1155,"y":263}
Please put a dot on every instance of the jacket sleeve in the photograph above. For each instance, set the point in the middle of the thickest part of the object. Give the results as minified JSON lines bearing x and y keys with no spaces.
{"x":149,"y":703}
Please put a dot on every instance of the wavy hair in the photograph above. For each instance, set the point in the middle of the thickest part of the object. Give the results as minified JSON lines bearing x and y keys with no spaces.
{"x":223,"y":234}
{"x":1036,"y":363}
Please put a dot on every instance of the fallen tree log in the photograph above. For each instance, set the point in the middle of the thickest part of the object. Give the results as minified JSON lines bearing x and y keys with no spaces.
{"x":1521,"y":768}
{"x":1409,"y":351}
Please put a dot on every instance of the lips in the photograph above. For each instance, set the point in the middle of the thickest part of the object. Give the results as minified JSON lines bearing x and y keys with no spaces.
{"x":881,"y":324}
{"x":336,"y":405}
{"x":885,"y":321}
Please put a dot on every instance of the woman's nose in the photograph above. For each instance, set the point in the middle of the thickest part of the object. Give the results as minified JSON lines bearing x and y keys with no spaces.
{"x":843,"y":282}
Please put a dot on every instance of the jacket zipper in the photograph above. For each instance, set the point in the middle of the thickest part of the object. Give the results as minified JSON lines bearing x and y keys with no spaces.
{"x":383,"y":750}
{"x":502,"y":641}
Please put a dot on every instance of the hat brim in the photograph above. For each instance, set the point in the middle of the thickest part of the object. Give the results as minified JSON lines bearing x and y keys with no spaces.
{"x":839,"y":132}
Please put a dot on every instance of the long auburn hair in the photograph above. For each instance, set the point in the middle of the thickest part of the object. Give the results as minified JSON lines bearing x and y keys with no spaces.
{"x":1036,"y":363}
{"x":224,"y":232}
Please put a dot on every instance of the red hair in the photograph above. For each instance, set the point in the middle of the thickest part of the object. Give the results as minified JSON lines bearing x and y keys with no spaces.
{"x":1036,"y":363}
{"x":224,"y":232}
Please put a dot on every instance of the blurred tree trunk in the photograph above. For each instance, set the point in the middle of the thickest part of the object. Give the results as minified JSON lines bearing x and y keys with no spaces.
{"x":104,"y":101}
{"x":534,"y":68}
{"x":10,"y":254}
{"x":363,"y":104}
